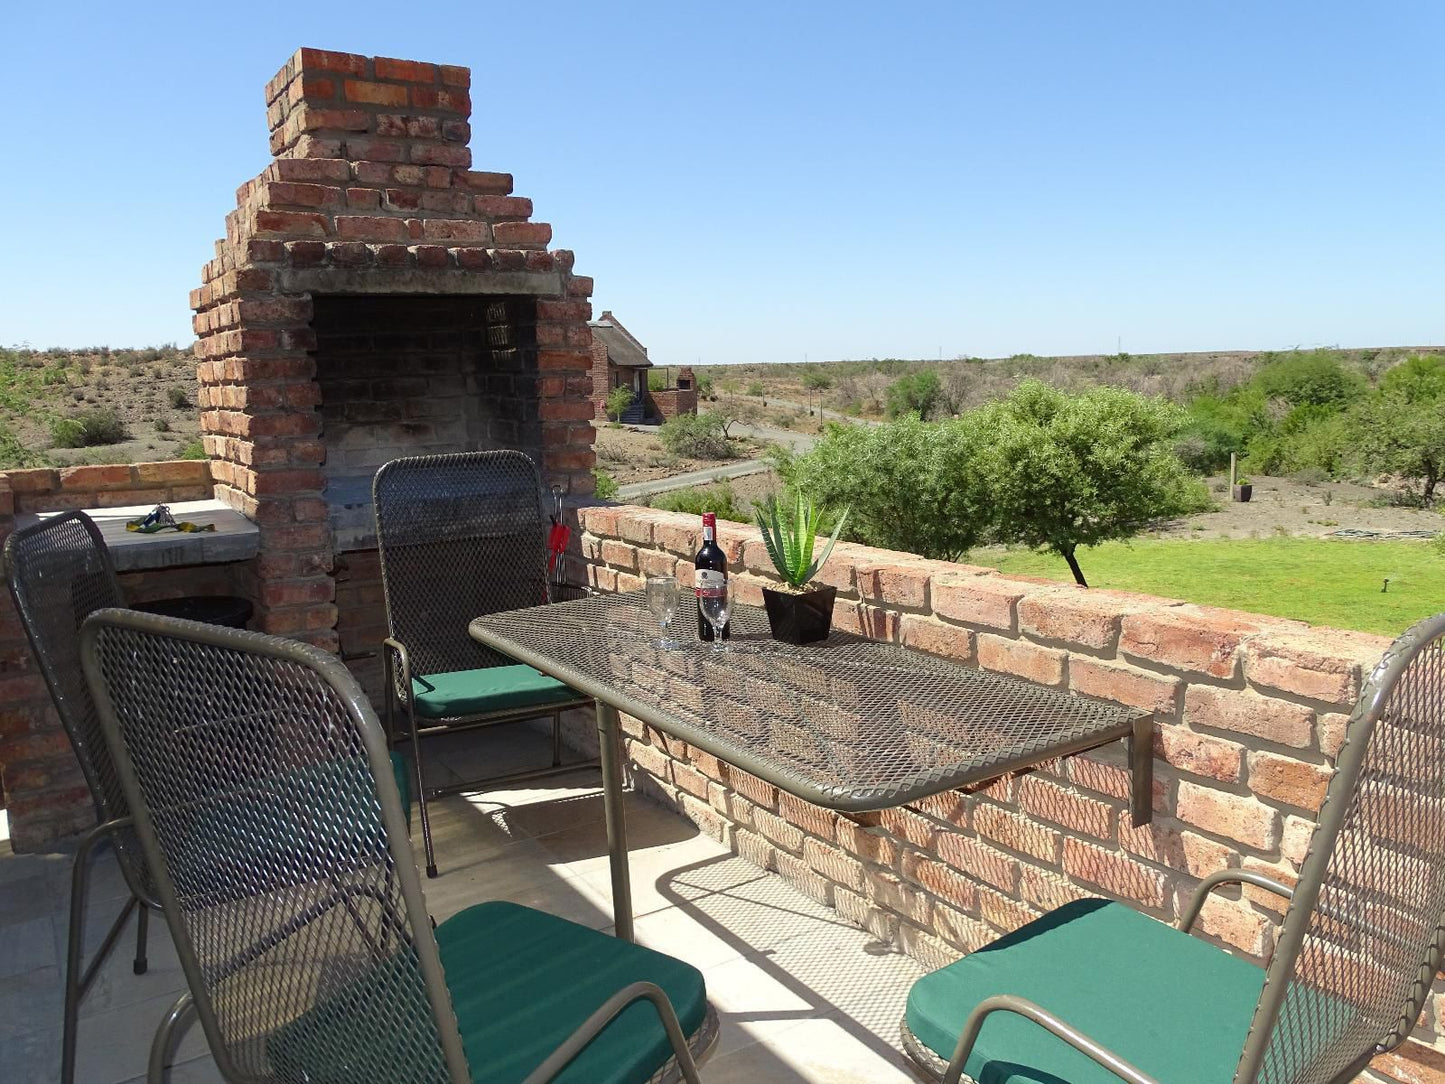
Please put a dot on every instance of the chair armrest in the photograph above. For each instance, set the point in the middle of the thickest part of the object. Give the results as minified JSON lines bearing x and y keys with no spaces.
{"x":398,"y":665}
{"x":1050,"y":1023}
{"x":574,"y":1044}
{"x":1224,"y":877}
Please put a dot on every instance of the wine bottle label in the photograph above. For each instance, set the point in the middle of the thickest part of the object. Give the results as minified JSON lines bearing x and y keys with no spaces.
{"x":710,"y":583}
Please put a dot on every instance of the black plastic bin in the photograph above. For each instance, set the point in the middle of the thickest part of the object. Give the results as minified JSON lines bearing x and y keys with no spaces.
{"x":226,"y":610}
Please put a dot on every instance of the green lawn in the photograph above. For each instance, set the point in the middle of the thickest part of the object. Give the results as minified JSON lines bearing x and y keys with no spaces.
{"x":1322,"y":581}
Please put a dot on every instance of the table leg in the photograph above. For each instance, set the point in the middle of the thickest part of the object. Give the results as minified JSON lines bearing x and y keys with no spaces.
{"x":609,"y":741}
{"x":1141,"y":771}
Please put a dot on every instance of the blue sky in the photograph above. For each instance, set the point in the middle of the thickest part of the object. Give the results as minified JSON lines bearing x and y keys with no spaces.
{"x":765,"y":182}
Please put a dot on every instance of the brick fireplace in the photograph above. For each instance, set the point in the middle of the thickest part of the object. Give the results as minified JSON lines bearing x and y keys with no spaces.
{"x":375,"y":296}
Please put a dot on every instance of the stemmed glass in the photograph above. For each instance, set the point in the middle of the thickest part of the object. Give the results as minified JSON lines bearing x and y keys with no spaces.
{"x":714,"y":605}
{"x":662,"y":601}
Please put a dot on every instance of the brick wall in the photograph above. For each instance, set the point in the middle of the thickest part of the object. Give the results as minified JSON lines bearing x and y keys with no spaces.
{"x":670,"y":402}
{"x":1250,"y":710}
{"x":45,"y":795}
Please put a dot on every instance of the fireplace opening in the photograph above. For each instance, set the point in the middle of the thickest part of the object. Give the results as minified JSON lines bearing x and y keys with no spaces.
{"x":408,"y":375}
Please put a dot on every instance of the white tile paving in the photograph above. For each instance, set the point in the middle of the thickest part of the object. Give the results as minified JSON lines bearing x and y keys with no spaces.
{"x":802,"y":995}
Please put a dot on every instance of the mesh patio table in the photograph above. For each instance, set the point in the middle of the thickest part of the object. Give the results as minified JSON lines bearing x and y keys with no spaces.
{"x":848,"y":724}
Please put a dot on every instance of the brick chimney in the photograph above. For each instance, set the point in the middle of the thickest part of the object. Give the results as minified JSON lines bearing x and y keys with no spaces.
{"x":375,"y":296}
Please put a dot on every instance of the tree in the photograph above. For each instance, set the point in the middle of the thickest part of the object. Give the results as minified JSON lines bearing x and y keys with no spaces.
{"x":747,"y":412}
{"x":618,"y":400}
{"x":696,"y":436}
{"x":814,"y":381}
{"x":912,"y":485}
{"x":1315,"y":377}
{"x":1417,"y":379}
{"x":1396,"y":436}
{"x":1064,"y":471}
{"x":914,"y":393}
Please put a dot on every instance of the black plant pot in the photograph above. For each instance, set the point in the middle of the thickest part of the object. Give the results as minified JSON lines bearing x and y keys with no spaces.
{"x":1242,"y":493}
{"x":800,"y":619}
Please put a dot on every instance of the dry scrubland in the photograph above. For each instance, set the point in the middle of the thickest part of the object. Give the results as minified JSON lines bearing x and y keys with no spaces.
{"x":116,"y":406}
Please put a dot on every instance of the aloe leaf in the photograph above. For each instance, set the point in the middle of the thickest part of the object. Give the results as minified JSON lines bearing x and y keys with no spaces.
{"x":828,"y":549}
{"x":807,"y":525}
{"x":772,"y":536}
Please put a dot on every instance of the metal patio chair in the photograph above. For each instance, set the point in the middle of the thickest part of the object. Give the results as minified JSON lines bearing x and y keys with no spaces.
{"x":60,"y":572}
{"x":1095,"y":992}
{"x":460,"y":536}
{"x":265,"y":804}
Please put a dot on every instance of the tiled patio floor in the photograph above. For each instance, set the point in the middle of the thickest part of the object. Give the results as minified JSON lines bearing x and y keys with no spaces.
{"x":802,"y":996}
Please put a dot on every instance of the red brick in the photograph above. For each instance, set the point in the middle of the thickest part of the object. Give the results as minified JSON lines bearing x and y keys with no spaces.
{"x":898,"y":584}
{"x":979,"y":860}
{"x":410,"y":71}
{"x":1017,"y":832}
{"x":95,"y":478}
{"x":1078,"y":615}
{"x":1288,"y":781}
{"x":1194,"y":638}
{"x":1249,"y":713}
{"x":870,"y":846}
{"x":1236,"y":923}
{"x":1322,"y":664}
{"x":34,"y":480}
{"x":312,"y":60}
{"x":619,"y":554}
{"x":982,"y":600}
{"x":944,"y":882}
{"x":908,"y":825}
{"x":291,"y":223}
{"x":1066,"y":808}
{"x":1232,"y":816}
{"x":811,"y":818}
{"x":1201,"y":754}
{"x":1124,"y":685}
{"x":1042,"y":665}
{"x":936,"y":637}
{"x":833,"y":864}
{"x":1004,"y":912}
{"x":1412,"y":1063}
{"x":522,"y":233}
{"x":776,"y":830}
{"x":1116,"y":873}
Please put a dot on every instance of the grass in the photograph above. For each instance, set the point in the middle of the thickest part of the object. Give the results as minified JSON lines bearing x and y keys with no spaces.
{"x":1322,"y":581}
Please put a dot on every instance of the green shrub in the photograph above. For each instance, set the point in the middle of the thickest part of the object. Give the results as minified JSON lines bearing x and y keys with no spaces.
{"x":605,"y":485}
{"x":89,"y":429}
{"x":618,"y":400}
{"x":718,"y":499}
{"x":14,"y":454}
{"x":1310,"y":378}
{"x":178,"y":396}
{"x":162,"y":426}
{"x":912,"y":485}
{"x":915,"y":393}
{"x":756,"y":388}
{"x":696,"y":436}
{"x":194,"y":450}
{"x":656,"y":381}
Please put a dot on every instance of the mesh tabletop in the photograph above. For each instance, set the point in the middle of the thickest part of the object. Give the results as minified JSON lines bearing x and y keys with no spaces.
{"x":849,"y":723}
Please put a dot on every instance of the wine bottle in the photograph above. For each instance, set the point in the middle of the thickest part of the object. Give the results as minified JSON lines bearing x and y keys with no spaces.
{"x":712,"y":573}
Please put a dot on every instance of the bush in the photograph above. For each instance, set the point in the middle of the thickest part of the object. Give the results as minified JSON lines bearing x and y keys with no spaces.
{"x":194,"y":450}
{"x":719,"y":499}
{"x":912,"y":485}
{"x":14,"y":454}
{"x":88,"y":429}
{"x":178,"y":397}
{"x":656,"y":381}
{"x":1311,"y":378}
{"x":755,"y":388}
{"x":162,"y":426}
{"x":618,"y":400}
{"x":916,"y":393}
{"x":696,"y":436}
{"x":605,"y":487}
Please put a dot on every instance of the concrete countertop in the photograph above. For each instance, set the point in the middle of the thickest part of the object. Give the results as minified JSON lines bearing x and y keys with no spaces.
{"x":235,"y":538}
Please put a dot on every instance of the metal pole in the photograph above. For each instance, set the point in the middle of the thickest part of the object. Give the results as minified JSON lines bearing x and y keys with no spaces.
{"x":609,"y":741}
{"x":1141,"y":771}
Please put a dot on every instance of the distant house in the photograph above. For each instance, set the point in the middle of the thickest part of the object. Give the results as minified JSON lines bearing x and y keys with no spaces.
{"x":619,"y":360}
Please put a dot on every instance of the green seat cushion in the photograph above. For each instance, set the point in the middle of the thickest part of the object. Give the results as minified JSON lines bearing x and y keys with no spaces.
{"x":1171,"y":1004}
{"x":522,"y":980}
{"x":490,"y":689}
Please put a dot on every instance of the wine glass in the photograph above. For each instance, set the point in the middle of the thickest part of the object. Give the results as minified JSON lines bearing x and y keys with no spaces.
{"x":713,"y":602}
{"x":662,"y":601}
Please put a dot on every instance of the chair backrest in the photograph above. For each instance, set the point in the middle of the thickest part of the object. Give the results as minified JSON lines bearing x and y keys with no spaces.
{"x":1363,"y":939}
{"x":459,"y":535}
{"x":265,"y":803}
{"x":60,"y":572}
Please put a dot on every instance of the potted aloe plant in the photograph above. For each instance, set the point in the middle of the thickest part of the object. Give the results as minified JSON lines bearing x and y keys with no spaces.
{"x":797,"y":614}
